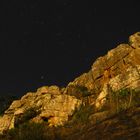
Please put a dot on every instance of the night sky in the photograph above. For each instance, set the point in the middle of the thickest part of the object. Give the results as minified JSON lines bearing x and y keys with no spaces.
{"x":53,"y":42}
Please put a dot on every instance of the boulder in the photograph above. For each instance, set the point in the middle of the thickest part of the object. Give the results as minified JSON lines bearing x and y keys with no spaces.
{"x":47,"y":104}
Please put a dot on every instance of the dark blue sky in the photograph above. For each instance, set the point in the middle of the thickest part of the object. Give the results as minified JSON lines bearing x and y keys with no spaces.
{"x":45,"y":43}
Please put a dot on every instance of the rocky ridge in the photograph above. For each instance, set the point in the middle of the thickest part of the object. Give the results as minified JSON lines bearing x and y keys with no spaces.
{"x":112,"y":85}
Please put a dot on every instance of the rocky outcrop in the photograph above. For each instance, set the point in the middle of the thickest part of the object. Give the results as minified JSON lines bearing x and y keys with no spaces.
{"x":130,"y":79}
{"x":100,"y":88}
{"x":118,"y":69}
{"x":116,"y":62}
{"x":47,"y":104}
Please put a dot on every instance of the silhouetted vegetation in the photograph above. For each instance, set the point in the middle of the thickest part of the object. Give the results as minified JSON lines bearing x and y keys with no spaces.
{"x":82,"y":115}
{"x":26,"y":131}
{"x":29,"y":114}
{"x":123,"y":99}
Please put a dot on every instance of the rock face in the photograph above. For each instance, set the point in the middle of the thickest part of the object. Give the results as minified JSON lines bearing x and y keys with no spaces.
{"x":47,"y":104}
{"x":118,"y":69}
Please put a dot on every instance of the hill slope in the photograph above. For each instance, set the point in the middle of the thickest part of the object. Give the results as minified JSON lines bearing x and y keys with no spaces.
{"x":100,"y":104}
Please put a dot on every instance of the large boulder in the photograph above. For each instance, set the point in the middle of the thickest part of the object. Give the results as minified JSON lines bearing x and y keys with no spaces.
{"x":47,"y":104}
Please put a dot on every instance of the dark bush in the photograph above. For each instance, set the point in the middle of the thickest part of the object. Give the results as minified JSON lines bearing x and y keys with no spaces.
{"x":27,"y":131}
{"x":28,"y":114}
{"x":78,"y":91}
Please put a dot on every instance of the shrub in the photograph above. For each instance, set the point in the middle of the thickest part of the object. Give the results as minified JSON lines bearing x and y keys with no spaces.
{"x":78,"y":91}
{"x":33,"y":131}
{"x":82,"y":115}
{"x":123,"y":99}
{"x":28,"y":114}
{"x":27,"y":131}
{"x":41,"y":131}
{"x":123,"y":92}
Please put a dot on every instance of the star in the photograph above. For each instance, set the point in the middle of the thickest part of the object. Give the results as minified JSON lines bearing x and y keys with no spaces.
{"x":42,"y":77}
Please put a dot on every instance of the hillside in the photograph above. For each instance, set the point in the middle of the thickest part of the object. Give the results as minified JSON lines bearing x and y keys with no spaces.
{"x":103,"y":103}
